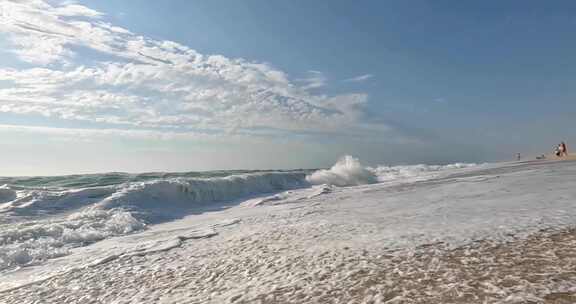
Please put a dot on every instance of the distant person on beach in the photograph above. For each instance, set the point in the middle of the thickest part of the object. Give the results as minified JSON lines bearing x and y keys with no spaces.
{"x":561,"y":150}
{"x":518,"y":156}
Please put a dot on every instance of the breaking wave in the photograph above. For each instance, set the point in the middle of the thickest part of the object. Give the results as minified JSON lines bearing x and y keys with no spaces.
{"x":348,"y":171}
{"x":43,"y":218}
{"x":38,"y":224}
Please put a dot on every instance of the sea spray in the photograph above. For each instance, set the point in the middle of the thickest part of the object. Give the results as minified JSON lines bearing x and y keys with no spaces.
{"x":348,"y":171}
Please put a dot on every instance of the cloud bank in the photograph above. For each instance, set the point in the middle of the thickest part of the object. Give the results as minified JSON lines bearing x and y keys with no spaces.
{"x":160,"y":85}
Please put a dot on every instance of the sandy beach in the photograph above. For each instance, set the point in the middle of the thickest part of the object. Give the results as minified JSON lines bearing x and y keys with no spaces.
{"x":537,"y":269}
{"x":499,"y":233}
{"x":568,"y":157}
{"x":323,"y":152}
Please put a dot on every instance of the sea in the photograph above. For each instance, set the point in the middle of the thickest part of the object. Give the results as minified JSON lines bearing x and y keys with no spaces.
{"x":45,"y":217}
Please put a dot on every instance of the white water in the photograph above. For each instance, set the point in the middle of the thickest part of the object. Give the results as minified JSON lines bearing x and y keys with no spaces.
{"x":37,"y":223}
{"x":414,"y":172}
{"x":346,"y":172}
{"x":303,"y":245}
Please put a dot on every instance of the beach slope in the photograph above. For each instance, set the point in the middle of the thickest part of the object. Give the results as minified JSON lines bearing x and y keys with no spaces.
{"x":499,"y":233}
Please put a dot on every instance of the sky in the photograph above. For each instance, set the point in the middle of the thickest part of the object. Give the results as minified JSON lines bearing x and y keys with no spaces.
{"x":135,"y":86}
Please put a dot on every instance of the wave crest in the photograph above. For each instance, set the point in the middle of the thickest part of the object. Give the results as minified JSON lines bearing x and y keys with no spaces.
{"x":348,"y":171}
{"x":88,"y":215}
{"x":39,"y":223}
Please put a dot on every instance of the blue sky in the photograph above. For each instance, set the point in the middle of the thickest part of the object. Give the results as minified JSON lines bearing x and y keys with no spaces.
{"x":93,"y":86}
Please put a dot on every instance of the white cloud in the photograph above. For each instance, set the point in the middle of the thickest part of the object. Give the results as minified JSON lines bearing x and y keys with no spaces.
{"x":152,"y":84}
{"x":359,"y":78}
{"x":314,"y":79}
{"x":73,"y":9}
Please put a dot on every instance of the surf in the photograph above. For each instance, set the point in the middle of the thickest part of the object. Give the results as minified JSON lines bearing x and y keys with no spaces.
{"x":46,"y":217}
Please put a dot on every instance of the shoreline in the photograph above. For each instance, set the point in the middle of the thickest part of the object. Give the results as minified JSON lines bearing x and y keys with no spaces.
{"x":553,"y":157}
{"x":480,"y":272}
{"x":494,"y":234}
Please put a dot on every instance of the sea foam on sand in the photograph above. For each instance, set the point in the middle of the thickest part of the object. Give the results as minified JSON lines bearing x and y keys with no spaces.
{"x":435,"y":240}
{"x":41,"y":223}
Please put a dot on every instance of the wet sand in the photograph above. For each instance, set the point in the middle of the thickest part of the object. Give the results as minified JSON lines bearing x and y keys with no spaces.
{"x":554,"y":157}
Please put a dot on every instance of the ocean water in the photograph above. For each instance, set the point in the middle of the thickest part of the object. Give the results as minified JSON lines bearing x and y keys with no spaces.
{"x":46,"y":217}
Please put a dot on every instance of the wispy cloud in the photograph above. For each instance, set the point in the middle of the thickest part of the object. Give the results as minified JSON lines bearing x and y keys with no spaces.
{"x":314,"y":79}
{"x":153,"y":84}
{"x":359,"y":78}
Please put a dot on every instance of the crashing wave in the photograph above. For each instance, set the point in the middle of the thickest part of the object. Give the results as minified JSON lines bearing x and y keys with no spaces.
{"x":38,"y":223}
{"x":77,"y":217}
{"x":348,"y":171}
{"x":176,"y":192}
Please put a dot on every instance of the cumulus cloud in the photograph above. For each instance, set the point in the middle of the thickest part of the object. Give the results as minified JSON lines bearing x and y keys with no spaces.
{"x":153,"y":84}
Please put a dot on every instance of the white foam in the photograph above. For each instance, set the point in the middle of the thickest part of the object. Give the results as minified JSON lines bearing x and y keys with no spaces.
{"x":38,"y":224}
{"x":414,"y":172}
{"x":64,"y":219}
{"x":33,"y":242}
{"x":348,"y":171}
